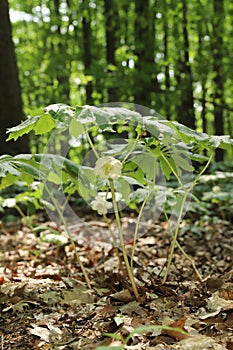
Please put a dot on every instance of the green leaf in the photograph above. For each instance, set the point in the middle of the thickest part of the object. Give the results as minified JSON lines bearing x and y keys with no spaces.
{"x":8,"y":180}
{"x":24,"y":128}
{"x":61,"y":113}
{"x":7,"y":165}
{"x":87,"y":114}
{"x":165,"y":168}
{"x":54,"y":178}
{"x":59,"y":110}
{"x":188,"y":134}
{"x":120,"y":114}
{"x":29,"y":169}
{"x":76,"y":128}
{"x":139,"y":195}
{"x":158,"y":127}
{"x":71,"y":168}
{"x":132,"y":170}
{"x":182,"y":162}
{"x":44,"y":124}
{"x":148,"y":164}
{"x":86,"y":182}
{"x":223,"y":141}
{"x":124,"y":188}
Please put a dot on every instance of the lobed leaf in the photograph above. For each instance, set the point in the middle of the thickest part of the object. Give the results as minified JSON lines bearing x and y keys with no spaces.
{"x":24,"y":128}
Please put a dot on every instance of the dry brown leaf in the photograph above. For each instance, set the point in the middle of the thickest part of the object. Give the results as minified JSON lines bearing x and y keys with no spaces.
{"x":175,"y":334}
{"x":124,"y":295}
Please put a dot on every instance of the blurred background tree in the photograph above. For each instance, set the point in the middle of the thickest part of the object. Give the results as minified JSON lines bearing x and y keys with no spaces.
{"x":11,"y":108}
{"x":174,"y":56}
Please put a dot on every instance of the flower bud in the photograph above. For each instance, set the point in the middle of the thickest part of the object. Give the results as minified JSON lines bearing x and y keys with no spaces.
{"x":108,"y":168}
{"x":216,"y":189}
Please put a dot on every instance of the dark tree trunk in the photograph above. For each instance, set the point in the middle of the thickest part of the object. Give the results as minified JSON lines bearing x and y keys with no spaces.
{"x":63,"y":67}
{"x":218,"y":80}
{"x":87,"y":55}
{"x":11,"y":109}
{"x":186,"y":114}
{"x":166,"y":60}
{"x":145,"y":69}
{"x":111,"y":27}
{"x":203,"y":105}
{"x":203,"y":69}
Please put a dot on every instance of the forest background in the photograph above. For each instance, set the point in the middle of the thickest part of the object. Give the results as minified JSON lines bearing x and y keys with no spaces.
{"x":172,"y":56}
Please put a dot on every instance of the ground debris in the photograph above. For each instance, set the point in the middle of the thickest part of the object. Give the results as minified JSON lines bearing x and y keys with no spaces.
{"x":45,"y":303}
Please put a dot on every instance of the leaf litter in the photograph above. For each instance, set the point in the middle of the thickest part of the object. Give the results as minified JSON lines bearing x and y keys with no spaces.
{"x":45,"y":303}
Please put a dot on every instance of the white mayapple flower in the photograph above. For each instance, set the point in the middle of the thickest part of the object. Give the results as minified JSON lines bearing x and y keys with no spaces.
{"x":216,"y":189}
{"x":108,"y":168}
{"x":101,"y":205}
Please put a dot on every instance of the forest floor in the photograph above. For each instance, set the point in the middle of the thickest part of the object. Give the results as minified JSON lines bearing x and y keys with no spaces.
{"x":45,"y":303}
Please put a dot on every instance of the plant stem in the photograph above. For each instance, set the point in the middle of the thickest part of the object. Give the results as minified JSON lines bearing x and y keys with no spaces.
{"x":131,"y":149}
{"x":172,"y":169}
{"x":185,"y":254}
{"x":170,"y":257}
{"x":91,"y":143}
{"x":174,"y":242}
{"x":136,"y":229}
{"x":63,"y":220}
{"x":115,"y":244}
{"x":27,"y":221}
{"x":122,"y":243}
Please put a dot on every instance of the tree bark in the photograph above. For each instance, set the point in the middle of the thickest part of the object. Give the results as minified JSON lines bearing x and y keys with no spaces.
{"x":166,"y":60}
{"x":63,"y":62}
{"x":145,"y":69}
{"x":186,"y":114}
{"x":11,"y":107}
{"x":87,"y":55}
{"x":111,"y":20}
{"x":218,"y":80}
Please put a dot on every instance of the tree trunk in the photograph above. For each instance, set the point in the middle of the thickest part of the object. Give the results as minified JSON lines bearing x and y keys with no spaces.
{"x":186,"y":114}
{"x":111,"y":26}
{"x":63,"y":62}
{"x":145,"y":69}
{"x":11,"y":109}
{"x":87,"y":55}
{"x":218,"y":80}
{"x":166,"y":60}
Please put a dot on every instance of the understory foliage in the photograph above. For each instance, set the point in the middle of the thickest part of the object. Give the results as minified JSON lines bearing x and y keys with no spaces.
{"x":174,"y":56}
{"x":143,"y":162}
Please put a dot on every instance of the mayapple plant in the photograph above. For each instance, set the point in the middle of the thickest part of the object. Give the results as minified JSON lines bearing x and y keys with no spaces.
{"x":147,"y":167}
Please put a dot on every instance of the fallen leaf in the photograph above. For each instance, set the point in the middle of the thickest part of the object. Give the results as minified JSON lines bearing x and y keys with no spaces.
{"x":198,"y":343}
{"x":19,"y":307}
{"x":175,"y":334}
{"x":77,"y":296}
{"x":124,"y":295}
{"x":216,"y":303}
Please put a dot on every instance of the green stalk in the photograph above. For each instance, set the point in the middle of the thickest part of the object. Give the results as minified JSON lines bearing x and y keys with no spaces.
{"x":170,"y":257}
{"x":174,"y":242}
{"x":131,"y":149}
{"x":136,"y":229}
{"x":27,"y":221}
{"x":63,"y":220}
{"x":115,"y":244}
{"x":91,"y":143}
{"x":185,"y":254}
{"x":122,"y":243}
{"x":172,"y":169}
